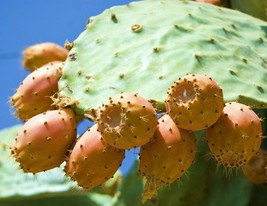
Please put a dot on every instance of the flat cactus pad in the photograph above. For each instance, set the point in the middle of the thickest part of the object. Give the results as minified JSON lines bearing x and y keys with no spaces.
{"x":144,"y":46}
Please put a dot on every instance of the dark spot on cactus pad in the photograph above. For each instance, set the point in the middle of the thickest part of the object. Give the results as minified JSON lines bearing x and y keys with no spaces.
{"x":155,"y":49}
{"x":260,"y":89}
{"x":245,"y":60}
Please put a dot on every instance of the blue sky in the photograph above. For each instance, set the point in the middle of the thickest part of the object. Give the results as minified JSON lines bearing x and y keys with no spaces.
{"x":27,"y":22}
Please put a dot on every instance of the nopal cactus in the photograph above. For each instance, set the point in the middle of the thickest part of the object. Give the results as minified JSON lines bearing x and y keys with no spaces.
{"x":158,"y":46}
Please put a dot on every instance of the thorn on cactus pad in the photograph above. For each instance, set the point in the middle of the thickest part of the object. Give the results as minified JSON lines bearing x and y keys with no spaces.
{"x":245,"y":60}
{"x":114,"y":18}
{"x":260,"y":88}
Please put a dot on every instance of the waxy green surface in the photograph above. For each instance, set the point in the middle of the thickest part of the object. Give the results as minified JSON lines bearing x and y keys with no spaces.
{"x":144,"y":46}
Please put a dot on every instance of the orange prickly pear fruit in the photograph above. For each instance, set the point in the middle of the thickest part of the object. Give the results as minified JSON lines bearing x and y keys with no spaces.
{"x":194,"y":102}
{"x":92,"y":161}
{"x":37,"y":55}
{"x":34,"y":93}
{"x":127,"y":121}
{"x":167,"y":156}
{"x":44,"y":140}
{"x":256,"y":168}
{"x":236,"y":137}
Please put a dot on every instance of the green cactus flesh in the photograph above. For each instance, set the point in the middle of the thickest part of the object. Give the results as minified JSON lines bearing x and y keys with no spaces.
{"x":144,"y":46}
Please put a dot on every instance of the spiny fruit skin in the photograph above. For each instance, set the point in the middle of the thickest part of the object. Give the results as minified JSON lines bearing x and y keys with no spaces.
{"x":127,"y":121}
{"x":38,"y":55}
{"x":236,"y":136}
{"x":256,"y":169}
{"x":167,"y":157}
{"x":33,"y":96}
{"x":92,"y":161}
{"x":44,"y":140}
{"x":194,"y":102}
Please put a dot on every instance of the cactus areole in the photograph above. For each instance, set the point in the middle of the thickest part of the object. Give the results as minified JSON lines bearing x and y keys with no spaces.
{"x":145,"y":46}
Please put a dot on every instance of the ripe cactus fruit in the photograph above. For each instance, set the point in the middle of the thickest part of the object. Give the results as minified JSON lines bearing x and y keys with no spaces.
{"x":256,"y":169}
{"x":127,"y":120}
{"x":38,"y":55}
{"x":33,"y":96}
{"x":194,"y":102}
{"x":236,"y":136}
{"x":167,"y":157}
{"x":92,"y":161}
{"x":44,"y":140}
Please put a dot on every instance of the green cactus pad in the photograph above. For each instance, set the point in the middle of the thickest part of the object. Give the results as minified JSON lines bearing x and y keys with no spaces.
{"x":144,"y":46}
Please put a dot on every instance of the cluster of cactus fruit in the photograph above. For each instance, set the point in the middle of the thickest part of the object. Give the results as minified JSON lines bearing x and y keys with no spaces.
{"x":168,"y":145}
{"x":164,"y":132}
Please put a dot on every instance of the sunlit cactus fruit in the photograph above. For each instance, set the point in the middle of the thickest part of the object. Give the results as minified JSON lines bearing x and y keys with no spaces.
{"x":256,"y":168}
{"x":44,"y":140}
{"x":33,"y":96}
{"x":236,"y":137}
{"x":167,"y":157}
{"x":35,"y":56}
{"x":194,"y":102}
{"x":127,"y":121}
{"x":92,"y":161}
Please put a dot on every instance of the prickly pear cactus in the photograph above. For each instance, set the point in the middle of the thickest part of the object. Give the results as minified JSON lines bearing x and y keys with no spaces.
{"x":144,"y":46}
